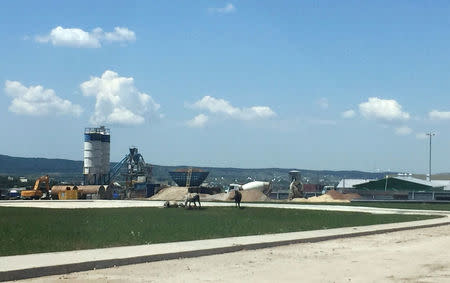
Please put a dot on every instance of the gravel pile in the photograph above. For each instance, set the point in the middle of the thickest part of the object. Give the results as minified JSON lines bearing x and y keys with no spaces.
{"x":330,"y":196}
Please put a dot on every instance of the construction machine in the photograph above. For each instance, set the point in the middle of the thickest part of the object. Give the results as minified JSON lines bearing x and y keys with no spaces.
{"x":37,"y":192}
{"x":296,"y":186}
{"x":138,"y":173}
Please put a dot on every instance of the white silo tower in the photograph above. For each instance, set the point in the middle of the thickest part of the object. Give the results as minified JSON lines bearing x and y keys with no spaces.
{"x":96,"y":155}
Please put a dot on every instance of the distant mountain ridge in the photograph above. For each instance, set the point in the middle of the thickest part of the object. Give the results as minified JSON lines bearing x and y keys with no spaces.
{"x":27,"y":165}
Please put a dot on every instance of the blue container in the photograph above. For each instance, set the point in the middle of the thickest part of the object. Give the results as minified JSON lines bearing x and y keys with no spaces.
{"x":197,"y":178}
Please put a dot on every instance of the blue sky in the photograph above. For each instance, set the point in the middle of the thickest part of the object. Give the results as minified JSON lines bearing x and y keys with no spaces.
{"x":292,"y":84}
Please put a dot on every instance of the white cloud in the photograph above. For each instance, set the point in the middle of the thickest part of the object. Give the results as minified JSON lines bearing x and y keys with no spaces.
{"x":120,"y":34}
{"x":421,"y":136}
{"x":383,"y":109}
{"x":38,"y":101}
{"x":221,"y":106}
{"x":403,"y":131}
{"x":323,"y":103}
{"x":198,"y":121}
{"x":348,"y":114}
{"x":227,"y":9}
{"x":75,"y":37}
{"x":72,"y":37}
{"x":118,"y":101}
{"x":439,"y":115}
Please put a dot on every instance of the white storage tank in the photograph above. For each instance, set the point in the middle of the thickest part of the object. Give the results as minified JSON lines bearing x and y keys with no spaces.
{"x":96,"y":155}
{"x":88,"y":156}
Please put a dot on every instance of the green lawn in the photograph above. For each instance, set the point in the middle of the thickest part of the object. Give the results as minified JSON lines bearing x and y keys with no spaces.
{"x":400,"y":205}
{"x":34,"y":230}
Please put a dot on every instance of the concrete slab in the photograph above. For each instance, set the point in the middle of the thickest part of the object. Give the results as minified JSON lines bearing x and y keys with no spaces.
{"x":35,"y":265}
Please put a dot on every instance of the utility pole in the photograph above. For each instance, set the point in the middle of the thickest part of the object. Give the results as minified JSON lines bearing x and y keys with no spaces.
{"x":430,"y":134}
{"x":385,"y":184}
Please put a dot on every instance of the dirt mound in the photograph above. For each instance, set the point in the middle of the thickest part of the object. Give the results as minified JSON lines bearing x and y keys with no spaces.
{"x":179,"y":194}
{"x":216,"y":197}
{"x":322,"y":198}
{"x":171,"y":193}
{"x":330,"y":196}
{"x":253,"y":195}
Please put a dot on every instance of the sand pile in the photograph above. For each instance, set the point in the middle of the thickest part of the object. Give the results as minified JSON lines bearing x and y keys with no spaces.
{"x":216,"y":197}
{"x":322,"y":198}
{"x":171,"y":193}
{"x":179,"y":194}
{"x":330,"y":196}
{"x":253,"y":195}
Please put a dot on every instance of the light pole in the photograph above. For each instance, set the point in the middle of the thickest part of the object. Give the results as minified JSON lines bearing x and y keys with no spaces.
{"x":430,"y":134}
{"x":385,"y":184}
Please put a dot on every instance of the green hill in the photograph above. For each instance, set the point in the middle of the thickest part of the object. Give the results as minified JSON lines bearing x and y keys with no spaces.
{"x":71,"y":171}
{"x":26,"y":165}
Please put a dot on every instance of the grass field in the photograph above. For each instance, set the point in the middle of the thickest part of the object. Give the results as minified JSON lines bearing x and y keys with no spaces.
{"x":34,"y":230}
{"x":400,"y":205}
{"x":421,"y":206}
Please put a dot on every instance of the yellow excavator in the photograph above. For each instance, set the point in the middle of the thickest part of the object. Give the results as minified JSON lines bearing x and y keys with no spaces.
{"x":37,"y":192}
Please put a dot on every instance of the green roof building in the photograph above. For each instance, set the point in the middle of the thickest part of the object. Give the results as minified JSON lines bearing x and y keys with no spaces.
{"x":399,"y":184}
{"x":403,"y":188}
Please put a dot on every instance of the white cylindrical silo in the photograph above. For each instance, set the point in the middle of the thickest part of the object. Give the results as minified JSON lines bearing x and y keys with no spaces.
{"x":95,"y":155}
{"x":88,"y":154}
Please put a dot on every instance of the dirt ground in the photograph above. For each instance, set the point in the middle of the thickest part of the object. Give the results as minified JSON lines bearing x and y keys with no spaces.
{"x":419,"y":255}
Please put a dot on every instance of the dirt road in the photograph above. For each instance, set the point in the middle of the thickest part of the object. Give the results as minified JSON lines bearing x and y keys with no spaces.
{"x":409,"y":256}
